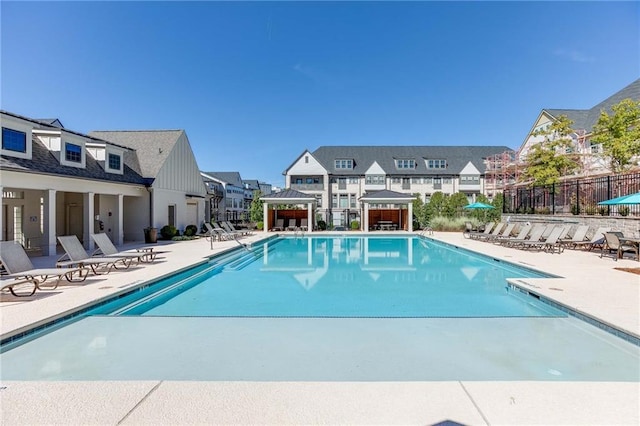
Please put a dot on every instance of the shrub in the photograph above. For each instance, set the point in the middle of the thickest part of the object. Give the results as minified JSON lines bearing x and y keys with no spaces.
{"x":322,"y":225}
{"x":590,"y":210}
{"x":260,"y":226}
{"x":441,"y":223}
{"x":168,"y":232}
{"x":190,"y":230}
{"x":355,"y":225}
{"x":624,"y":211}
{"x":602,"y":210}
{"x":183,"y":238}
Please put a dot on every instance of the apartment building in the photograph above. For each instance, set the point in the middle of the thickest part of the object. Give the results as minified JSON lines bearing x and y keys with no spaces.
{"x":339,"y":176}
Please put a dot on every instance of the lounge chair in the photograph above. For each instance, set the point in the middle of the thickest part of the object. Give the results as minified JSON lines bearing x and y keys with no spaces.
{"x":494,"y":233}
{"x":279,"y":226}
{"x":487,"y":230}
{"x":292,"y":225}
{"x":505,"y":233}
{"x":578,"y":236}
{"x":304,"y":224}
{"x":535,"y":235}
{"x":596,"y":241}
{"x":522,"y":235}
{"x":225,"y":234}
{"x":550,"y":244}
{"x":11,"y":285}
{"x":228,"y":226}
{"x":614,"y":245}
{"x":19,"y":267}
{"x":107,"y":249}
{"x":76,"y":255}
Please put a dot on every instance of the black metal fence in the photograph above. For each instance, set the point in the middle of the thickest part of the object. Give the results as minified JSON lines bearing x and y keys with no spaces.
{"x":576,"y":196}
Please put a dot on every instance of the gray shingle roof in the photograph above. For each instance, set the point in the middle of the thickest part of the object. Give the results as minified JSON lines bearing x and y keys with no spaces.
{"x":152,"y":147}
{"x":585,"y":119}
{"x":47,"y":162}
{"x":457,"y":158}
{"x":289,"y":194}
{"x":386,"y":194}
{"x":227,"y":177}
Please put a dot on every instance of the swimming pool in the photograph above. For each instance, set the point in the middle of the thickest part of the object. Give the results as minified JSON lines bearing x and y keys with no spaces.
{"x":338,"y":308}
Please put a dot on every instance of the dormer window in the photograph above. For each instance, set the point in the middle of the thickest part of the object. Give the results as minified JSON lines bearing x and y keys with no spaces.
{"x":405,"y":164}
{"x":436,"y":164}
{"x":115,"y":162}
{"x":72,"y":152}
{"x":13,"y":140}
{"x":344,"y":164}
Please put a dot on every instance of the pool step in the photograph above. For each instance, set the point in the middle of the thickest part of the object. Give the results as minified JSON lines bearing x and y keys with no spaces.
{"x":247,"y":258}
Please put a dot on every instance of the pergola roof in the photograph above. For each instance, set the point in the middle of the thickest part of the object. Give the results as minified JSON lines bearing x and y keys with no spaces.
{"x":289,"y":196}
{"x":387,"y":196}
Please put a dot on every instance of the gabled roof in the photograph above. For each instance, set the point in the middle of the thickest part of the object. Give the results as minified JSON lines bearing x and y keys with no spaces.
{"x":585,"y":119}
{"x":289,"y":195}
{"x":457,"y":158}
{"x":51,"y":121}
{"x":232,"y":178}
{"x":152,"y":146}
{"x":47,"y":162}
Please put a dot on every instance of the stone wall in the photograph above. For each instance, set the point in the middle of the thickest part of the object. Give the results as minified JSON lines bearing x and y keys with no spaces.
{"x":630,"y":226}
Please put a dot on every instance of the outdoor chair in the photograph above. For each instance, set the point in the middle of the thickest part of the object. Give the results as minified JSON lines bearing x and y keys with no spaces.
{"x":487,"y":229}
{"x":30,"y":285}
{"x":579,"y":236}
{"x":614,"y":245}
{"x":224,"y":232}
{"x":522,"y":234}
{"x":535,"y":235}
{"x":279,"y":226}
{"x":494,"y":233}
{"x":550,"y":244}
{"x":596,"y":241}
{"x":304,"y":224}
{"x":107,"y":249}
{"x":76,"y":256}
{"x":292,"y":225}
{"x":228,"y":226}
{"x":19,"y":267}
{"x":505,"y":233}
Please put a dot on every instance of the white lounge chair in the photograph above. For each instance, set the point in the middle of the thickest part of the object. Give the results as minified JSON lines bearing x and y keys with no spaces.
{"x":304,"y":224}
{"x":76,"y":256}
{"x":19,"y":268}
{"x":107,"y":249}
{"x":292,"y":225}
{"x":279,"y":226}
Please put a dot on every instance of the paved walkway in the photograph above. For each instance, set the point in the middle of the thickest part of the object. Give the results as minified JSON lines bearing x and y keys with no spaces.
{"x":589,"y":284}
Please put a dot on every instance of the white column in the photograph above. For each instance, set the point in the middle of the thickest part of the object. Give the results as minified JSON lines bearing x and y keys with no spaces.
{"x":49,"y":222}
{"x":365,"y":219}
{"x":120,"y":219}
{"x":410,"y":218}
{"x":310,"y":217}
{"x":1,"y":212}
{"x":89,"y":218}
{"x":265,"y":217}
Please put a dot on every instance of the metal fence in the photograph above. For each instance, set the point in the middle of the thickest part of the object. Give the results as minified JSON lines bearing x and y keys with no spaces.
{"x":576,"y":196}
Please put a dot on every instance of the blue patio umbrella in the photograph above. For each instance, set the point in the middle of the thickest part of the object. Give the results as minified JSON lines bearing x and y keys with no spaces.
{"x":625,"y":199}
{"x":478,"y":205}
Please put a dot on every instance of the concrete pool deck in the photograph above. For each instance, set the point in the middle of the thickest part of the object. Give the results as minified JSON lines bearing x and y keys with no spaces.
{"x":590,"y":285}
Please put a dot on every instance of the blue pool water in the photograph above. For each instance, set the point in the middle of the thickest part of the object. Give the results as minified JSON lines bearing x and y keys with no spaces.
{"x":329,"y":309}
{"x":350,"y":277}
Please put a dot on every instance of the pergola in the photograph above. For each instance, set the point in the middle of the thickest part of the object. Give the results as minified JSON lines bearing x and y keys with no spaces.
{"x":288,"y":196}
{"x":386,"y":196}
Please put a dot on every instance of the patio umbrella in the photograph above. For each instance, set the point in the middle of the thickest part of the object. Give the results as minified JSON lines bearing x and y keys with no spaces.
{"x":479,"y":206}
{"x":625,"y":199}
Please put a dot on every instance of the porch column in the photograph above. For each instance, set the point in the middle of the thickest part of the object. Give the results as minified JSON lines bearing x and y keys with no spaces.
{"x":410,"y":217}
{"x":48,"y":244}
{"x":310,"y":217}
{"x":120,"y":226}
{"x":1,"y":211}
{"x":89,"y":218}
{"x":265,"y":217}
{"x":365,"y":219}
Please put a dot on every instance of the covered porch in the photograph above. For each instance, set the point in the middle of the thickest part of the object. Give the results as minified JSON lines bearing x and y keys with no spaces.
{"x":387,"y":210}
{"x":288,"y":197}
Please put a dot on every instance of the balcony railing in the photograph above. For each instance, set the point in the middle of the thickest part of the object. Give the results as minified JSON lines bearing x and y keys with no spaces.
{"x":307,"y":186}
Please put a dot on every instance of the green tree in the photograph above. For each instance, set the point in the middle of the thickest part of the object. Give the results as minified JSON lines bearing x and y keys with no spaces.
{"x":619,"y":134}
{"x":420,"y":211}
{"x":454,"y":204}
{"x":436,"y":204}
{"x":256,"y":212}
{"x":554,"y":157}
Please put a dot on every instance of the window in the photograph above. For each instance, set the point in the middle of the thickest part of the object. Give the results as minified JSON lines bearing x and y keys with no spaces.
{"x":342,"y":183}
{"x":437,"y":164}
{"x":13,"y":140}
{"x":344,"y":164}
{"x":405,"y":164}
{"x":406,"y":183}
{"x":298,"y":181}
{"x":446,"y":181}
{"x":353,"y":180}
{"x":344,"y":201}
{"x":428,"y":180}
{"x":374,"y":180}
{"x":306,"y":158}
{"x":470,"y":180}
{"x":416,"y":180}
{"x":114,"y":162}
{"x":334,"y":201}
{"x":396,"y":180}
{"x":352,"y":201}
{"x":73,"y":152}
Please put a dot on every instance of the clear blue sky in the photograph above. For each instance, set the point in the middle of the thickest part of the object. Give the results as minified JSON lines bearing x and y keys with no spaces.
{"x":256,"y":83}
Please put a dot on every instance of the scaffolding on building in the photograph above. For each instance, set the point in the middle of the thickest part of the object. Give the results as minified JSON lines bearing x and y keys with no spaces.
{"x":502,"y":170}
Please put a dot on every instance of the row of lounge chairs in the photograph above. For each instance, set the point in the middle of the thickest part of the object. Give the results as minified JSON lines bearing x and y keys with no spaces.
{"x":224,"y":230}
{"x":544,"y":237}
{"x":292,"y":225}
{"x":21,"y":278}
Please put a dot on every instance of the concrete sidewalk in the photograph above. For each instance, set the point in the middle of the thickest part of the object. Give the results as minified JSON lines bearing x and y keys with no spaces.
{"x":588,"y":284}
